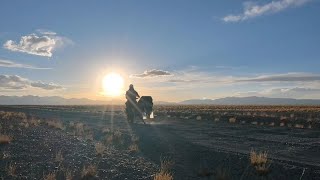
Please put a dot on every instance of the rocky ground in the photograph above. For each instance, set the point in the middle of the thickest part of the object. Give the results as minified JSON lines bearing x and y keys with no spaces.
{"x":198,"y":145}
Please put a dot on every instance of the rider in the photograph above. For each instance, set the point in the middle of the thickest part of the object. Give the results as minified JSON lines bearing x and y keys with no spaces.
{"x":132,"y":95}
{"x":131,"y":104}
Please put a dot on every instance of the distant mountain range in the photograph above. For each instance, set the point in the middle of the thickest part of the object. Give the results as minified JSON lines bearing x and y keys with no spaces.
{"x":50,"y":100}
{"x":252,"y":100}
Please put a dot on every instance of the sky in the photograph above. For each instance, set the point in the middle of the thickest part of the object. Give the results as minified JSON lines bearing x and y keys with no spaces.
{"x":171,"y":50}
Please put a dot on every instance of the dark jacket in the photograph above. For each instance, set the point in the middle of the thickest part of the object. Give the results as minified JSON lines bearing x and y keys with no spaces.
{"x":131,"y":95}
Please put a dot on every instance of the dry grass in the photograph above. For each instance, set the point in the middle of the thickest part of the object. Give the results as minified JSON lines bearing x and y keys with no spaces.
{"x":68,"y":175}
{"x":34,"y":122}
{"x":89,"y":136}
{"x":11,"y":169}
{"x":100,"y":148}
{"x":165,"y":167}
{"x":232,"y":120}
{"x":166,"y":164}
{"x":260,"y":162}
{"x":13,"y":116}
{"x":105,"y":130}
{"x":89,"y":171}
{"x":5,"y":155}
{"x":163,"y":176}
{"x":258,"y":158}
{"x":5,"y":139}
{"x":58,"y":157}
{"x":222,"y":174}
{"x":79,"y":129}
{"x":50,"y":176}
{"x":134,"y":148}
{"x":56,"y":124}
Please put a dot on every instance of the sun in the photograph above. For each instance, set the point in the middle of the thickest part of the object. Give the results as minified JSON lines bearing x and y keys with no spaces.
{"x":112,"y":84}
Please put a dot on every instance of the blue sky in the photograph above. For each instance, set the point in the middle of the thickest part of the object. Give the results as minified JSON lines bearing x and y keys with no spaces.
{"x":172,"y":50}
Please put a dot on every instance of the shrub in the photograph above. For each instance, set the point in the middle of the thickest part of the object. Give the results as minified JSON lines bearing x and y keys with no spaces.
{"x":260,"y":162}
{"x":134,"y":148}
{"x":89,"y":171}
{"x":34,"y":122}
{"x":55,"y":124}
{"x":258,"y":158}
{"x":100,"y":148}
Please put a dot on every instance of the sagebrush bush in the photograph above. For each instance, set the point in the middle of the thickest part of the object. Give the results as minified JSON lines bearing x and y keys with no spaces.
{"x":89,"y":171}
{"x":55,"y":124}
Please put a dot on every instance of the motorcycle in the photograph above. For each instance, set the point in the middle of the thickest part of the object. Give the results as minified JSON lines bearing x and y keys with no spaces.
{"x":143,"y":109}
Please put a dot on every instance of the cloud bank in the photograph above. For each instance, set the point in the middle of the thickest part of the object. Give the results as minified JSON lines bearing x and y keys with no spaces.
{"x":11,"y":64}
{"x":152,"y":73}
{"x":15,"y":82}
{"x":252,"y":10}
{"x":289,"y":77}
{"x":41,"y":44}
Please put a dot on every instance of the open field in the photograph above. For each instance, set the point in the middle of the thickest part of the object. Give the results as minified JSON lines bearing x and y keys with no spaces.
{"x":185,"y":142}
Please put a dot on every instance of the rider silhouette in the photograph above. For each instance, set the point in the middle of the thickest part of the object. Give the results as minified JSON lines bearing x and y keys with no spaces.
{"x":132,"y":95}
{"x":131,"y":104}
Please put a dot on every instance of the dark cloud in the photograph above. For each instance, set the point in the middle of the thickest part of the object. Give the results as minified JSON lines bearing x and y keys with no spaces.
{"x":152,"y":73}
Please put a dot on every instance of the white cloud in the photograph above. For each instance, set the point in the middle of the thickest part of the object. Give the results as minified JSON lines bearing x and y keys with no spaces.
{"x":152,"y":73}
{"x":289,"y":77}
{"x":42,"y":44}
{"x":252,"y":10}
{"x":11,"y":64}
{"x":15,"y":82}
{"x":46,"y":86}
{"x":286,"y":92}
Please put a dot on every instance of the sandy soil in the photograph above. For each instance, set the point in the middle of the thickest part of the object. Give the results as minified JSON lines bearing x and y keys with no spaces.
{"x":200,"y":149}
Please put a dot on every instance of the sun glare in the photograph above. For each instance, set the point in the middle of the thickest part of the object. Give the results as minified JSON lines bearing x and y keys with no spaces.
{"x":112,"y":84}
